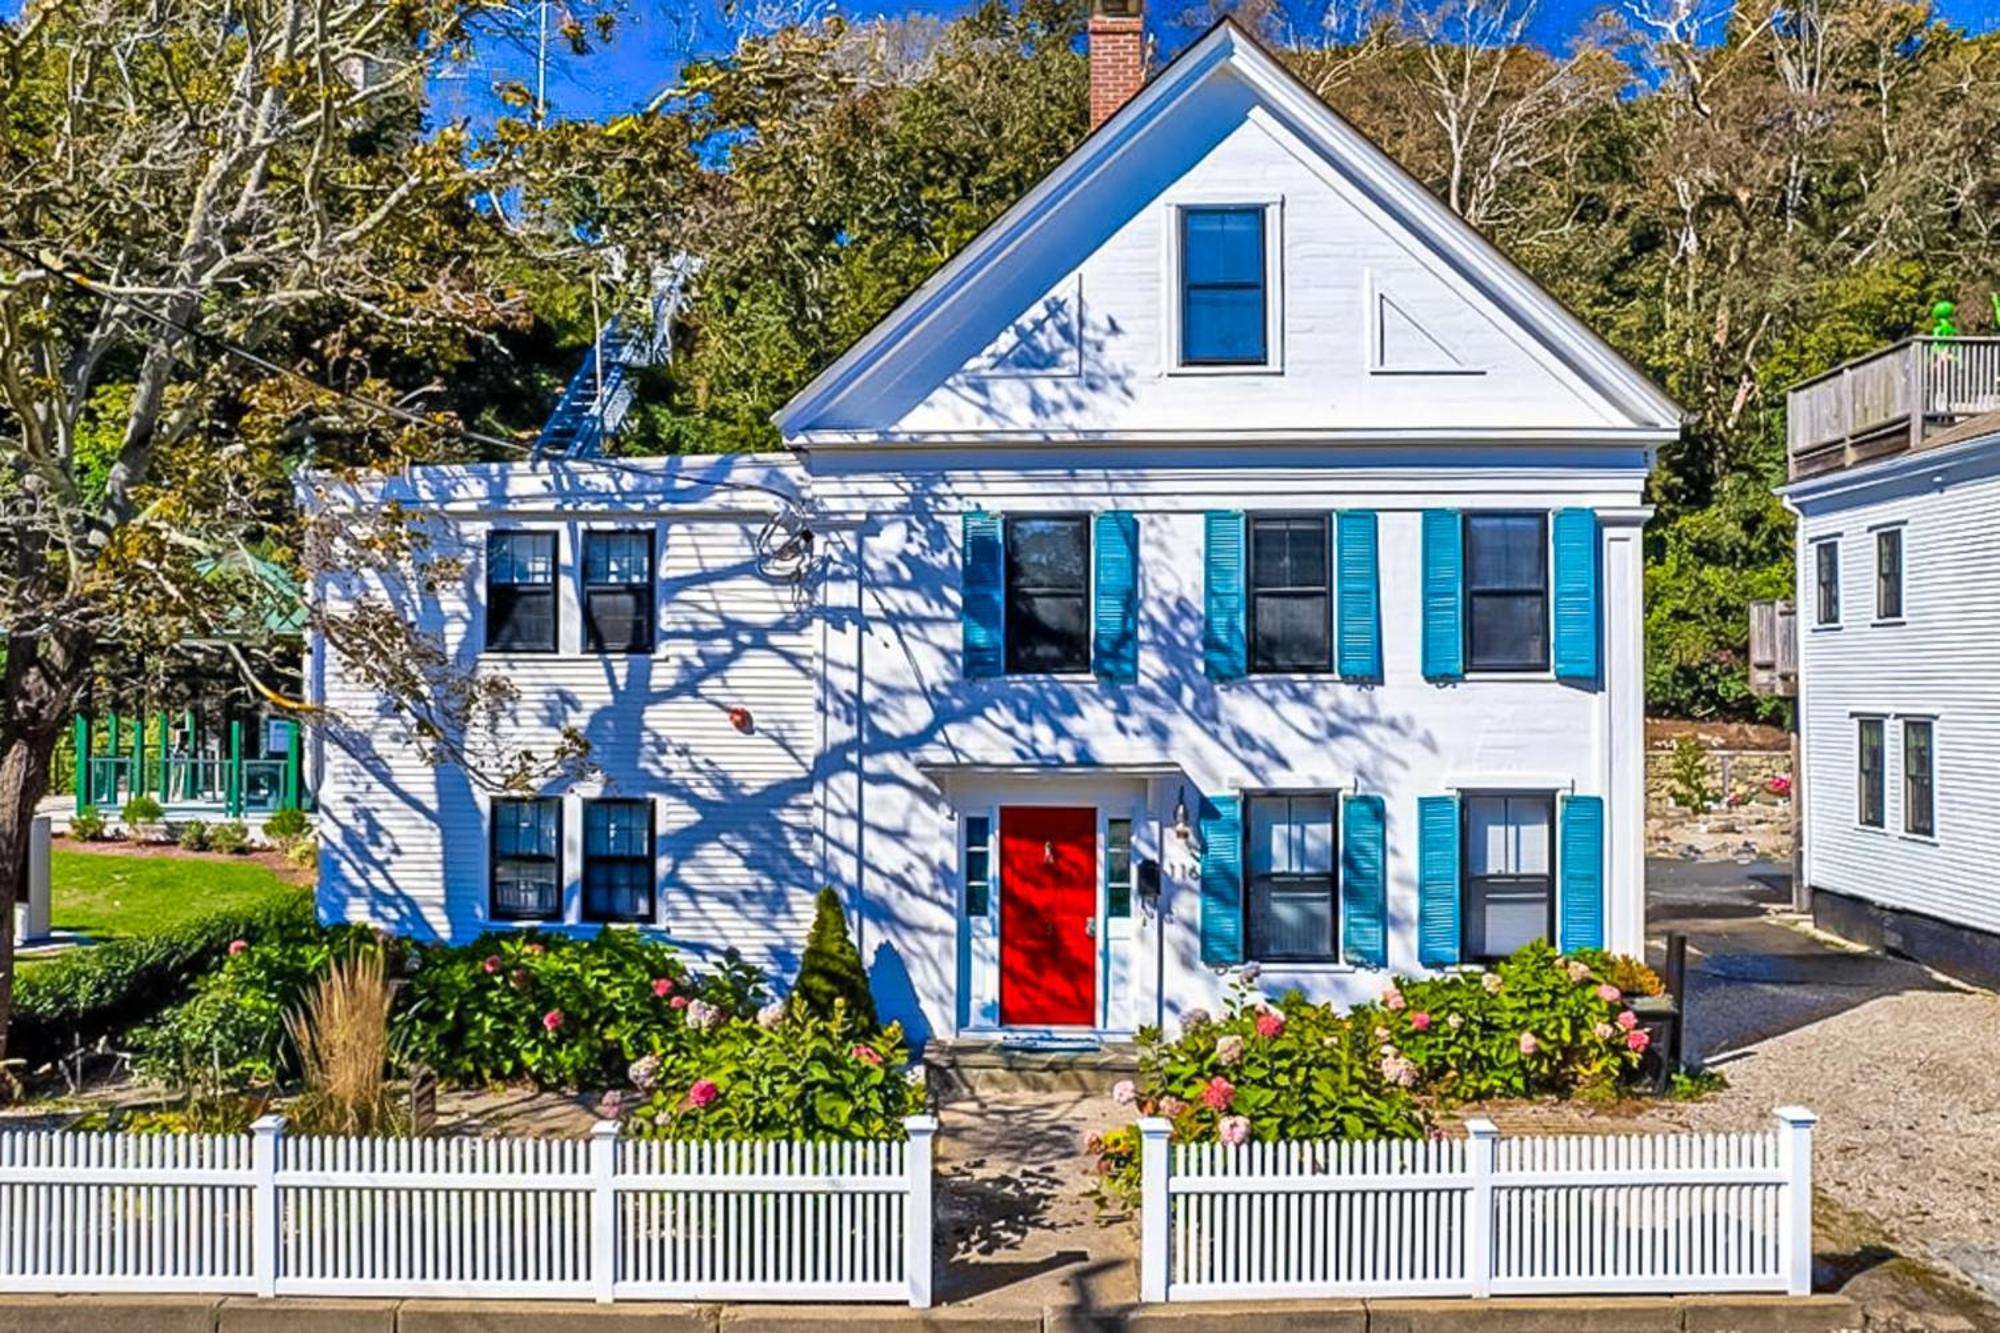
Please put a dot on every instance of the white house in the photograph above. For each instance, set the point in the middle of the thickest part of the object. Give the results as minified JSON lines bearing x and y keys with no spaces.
{"x":1895,"y":465}
{"x":1229,"y":556}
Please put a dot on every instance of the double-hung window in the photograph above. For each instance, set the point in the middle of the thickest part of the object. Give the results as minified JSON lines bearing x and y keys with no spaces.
{"x":618,"y":861}
{"x":1048,"y":595}
{"x":527,"y":860}
{"x":1291,"y":626}
{"x":1506,"y":592}
{"x":1224,"y":312}
{"x":1293,"y":914}
{"x":618,"y":592}
{"x":1919,"y":789}
{"x":1889,"y":574}
{"x":1509,"y":872}
{"x":1826,"y":584}
{"x":1871,"y":773}
{"x":521,"y":592}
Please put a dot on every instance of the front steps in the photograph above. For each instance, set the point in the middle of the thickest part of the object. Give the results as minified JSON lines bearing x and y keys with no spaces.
{"x":970,"y":1068}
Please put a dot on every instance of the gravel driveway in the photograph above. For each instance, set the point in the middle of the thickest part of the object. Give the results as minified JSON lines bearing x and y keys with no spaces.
{"x":1899,"y":1064}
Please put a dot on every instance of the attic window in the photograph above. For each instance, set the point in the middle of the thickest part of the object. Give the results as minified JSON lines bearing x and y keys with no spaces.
{"x":1224,"y":292}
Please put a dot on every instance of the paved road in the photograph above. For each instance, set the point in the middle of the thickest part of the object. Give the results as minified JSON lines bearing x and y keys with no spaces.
{"x":1750,"y":977}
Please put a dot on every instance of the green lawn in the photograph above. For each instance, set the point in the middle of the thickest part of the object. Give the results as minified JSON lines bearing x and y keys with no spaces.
{"x":105,"y":895}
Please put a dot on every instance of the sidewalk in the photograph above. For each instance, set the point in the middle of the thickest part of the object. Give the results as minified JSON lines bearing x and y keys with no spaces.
{"x":236,"y":1314}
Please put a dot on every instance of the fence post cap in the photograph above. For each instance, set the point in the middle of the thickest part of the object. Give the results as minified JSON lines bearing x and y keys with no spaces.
{"x":268,"y":1124}
{"x":1479,"y":1127}
{"x":1155,"y":1127}
{"x":920,"y":1124}
{"x":1798,"y":1117}
{"x":605,"y":1129}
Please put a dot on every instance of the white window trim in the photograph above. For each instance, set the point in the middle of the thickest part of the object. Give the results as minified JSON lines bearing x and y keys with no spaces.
{"x":1901,"y":527}
{"x":1887,"y":825}
{"x":1274,"y":282}
{"x":1839,"y":583}
{"x":1334,"y":796}
{"x":1902,"y":786}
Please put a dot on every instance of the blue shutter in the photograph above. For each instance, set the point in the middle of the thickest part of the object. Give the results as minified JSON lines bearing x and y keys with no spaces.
{"x":1360,"y":615}
{"x":1225,"y":650}
{"x":1364,"y":882}
{"x":983,"y":590}
{"x":1582,"y":872}
{"x":1437,"y":881}
{"x":1221,"y":881}
{"x":1444,"y":594}
{"x":1576,"y":598}
{"x":1114,"y":646}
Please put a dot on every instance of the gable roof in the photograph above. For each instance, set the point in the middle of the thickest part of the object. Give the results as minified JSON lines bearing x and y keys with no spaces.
{"x":1474,"y":257}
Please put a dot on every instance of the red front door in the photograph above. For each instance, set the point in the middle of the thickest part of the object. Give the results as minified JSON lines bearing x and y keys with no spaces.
{"x":1048,"y":917}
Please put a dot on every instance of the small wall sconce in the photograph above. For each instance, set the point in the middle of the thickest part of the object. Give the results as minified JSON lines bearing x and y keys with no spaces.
{"x":1182,"y":828}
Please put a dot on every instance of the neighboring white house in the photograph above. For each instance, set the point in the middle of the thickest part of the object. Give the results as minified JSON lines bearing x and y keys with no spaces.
{"x":1895,"y":464}
{"x":1229,"y":556}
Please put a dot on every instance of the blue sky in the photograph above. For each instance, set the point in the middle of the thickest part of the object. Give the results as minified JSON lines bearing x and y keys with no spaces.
{"x":657,"y":35}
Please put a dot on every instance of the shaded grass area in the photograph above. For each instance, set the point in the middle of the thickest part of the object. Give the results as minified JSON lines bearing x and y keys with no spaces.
{"x":111,"y":896}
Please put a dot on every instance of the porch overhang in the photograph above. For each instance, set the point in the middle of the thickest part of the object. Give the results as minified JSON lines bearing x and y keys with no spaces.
{"x":942,"y":771}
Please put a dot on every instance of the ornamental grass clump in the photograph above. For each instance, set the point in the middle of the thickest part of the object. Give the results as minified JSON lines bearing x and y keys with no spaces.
{"x":342,"y":1036}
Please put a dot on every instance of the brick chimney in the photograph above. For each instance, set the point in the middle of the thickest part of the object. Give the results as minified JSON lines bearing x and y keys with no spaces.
{"x":1117,"y":47}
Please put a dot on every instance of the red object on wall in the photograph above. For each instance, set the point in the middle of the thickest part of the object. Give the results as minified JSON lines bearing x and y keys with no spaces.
{"x":1048,"y":913}
{"x":739,"y":718}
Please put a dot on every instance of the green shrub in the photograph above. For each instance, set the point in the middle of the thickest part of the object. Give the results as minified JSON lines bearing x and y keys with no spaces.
{"x":86,"y":825}
{"x":1687,"y":777}
{"x":284,"y":829}
{"x":787,"y":1073}
{"x":831,"y":975}
{"x":564,"y":1012}
{"x":230,"y":1035}
{"x":85,"y":994}
{"x":140,"y":811}
{"x":232,"y":837}
{"x":303,"y":854}
{"x":193,"y":835}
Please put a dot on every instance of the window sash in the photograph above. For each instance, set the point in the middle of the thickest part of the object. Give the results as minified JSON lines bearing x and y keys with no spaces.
{"x":1889,"y":574}
{"x":1048,"y":612}
{"x":1919,"y":778}
{"x":618,"y":861}
{"x":1117,"y":868}
{"x":525,"y":880}
{"x":522,"y":614}
{"x":1827,"y":559}
{"x":1309,"y":897}
{"x":1499,"y":607}
{"x":1213,"y":292}
{"x":1520,"y":815}
{"x":1280,"y":582}
{"x":1871,"y":785}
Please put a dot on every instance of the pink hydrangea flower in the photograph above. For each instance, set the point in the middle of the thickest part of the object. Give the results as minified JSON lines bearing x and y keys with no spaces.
{"x":1393,"y":999}
{"x":701,"y":1014}
{"x":1528,"y":1043}
{"x":1124,"y":1092}
{"x":1234,"y":1130}
{"x":1609,"y":993}
{"x":1578,"y":973}
{"x":552,"y":1020}
{"x":644,"y":1072}
{"x":1172,"y":1106}
{"x":679,"y":1002}
{"x":1628,"y":1020}
{"x":492,"y":963}
{"x":1492,"y":983}
{"x":1219,"y":1093}
{"x":866,"y":1054}
{"x":1229,"y":1048}
{"x":702,"y":1092}
{"x":1420,"y":1020}
{"x":237,"y":946}
{"x":1603,"y":1031}
{"x":772,"y":1016}
{"x":1270,"y":1023}
{"x":663,"y":987}
{"x":1637,"y":1039}
{"x":537,"y":949}
{"x":611,"y":1104}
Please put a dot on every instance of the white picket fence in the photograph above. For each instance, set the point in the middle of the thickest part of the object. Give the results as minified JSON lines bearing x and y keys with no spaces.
{"x":1611,"y":1214}
{"x":602,"y":1218}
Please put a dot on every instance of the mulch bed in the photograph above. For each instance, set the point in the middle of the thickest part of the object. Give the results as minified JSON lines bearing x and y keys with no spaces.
{"x":273,"y":861}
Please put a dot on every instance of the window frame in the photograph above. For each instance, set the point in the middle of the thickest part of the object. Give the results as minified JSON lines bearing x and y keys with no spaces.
{"x":648,"y":591}
{"x":1251,"y":946}
{"x":1010,"y":588}
{"x":988,"y":852}
{"x":1861,"y":773}
{"x":1826,"y":583}
{"x":1174,"y":256}
{"x":1466,"y":878}
{"x":1118,"y":889}
{"x":1251,"y":592}
{"x":1545,"y":639}
{"x":650,"y":860}
{"x":1928,"y":726}
{"x":494,"y":858}
{"x":1262,"y":286}
{"x":1888,"y":538}
{"x":550,"y":588}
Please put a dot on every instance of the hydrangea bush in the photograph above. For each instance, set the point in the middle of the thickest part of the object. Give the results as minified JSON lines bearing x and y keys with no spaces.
{"x":1537,"y":1024}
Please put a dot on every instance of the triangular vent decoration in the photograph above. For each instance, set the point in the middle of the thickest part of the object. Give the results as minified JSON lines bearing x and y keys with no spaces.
{"x":1404,"y":345}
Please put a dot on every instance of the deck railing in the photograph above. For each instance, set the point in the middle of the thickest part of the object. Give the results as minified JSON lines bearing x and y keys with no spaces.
{"x":1888,"y":400}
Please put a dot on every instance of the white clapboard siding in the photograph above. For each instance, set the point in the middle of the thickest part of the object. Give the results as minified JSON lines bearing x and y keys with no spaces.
{"x":1609,"y":1215}
{"x":537,"y":1219}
